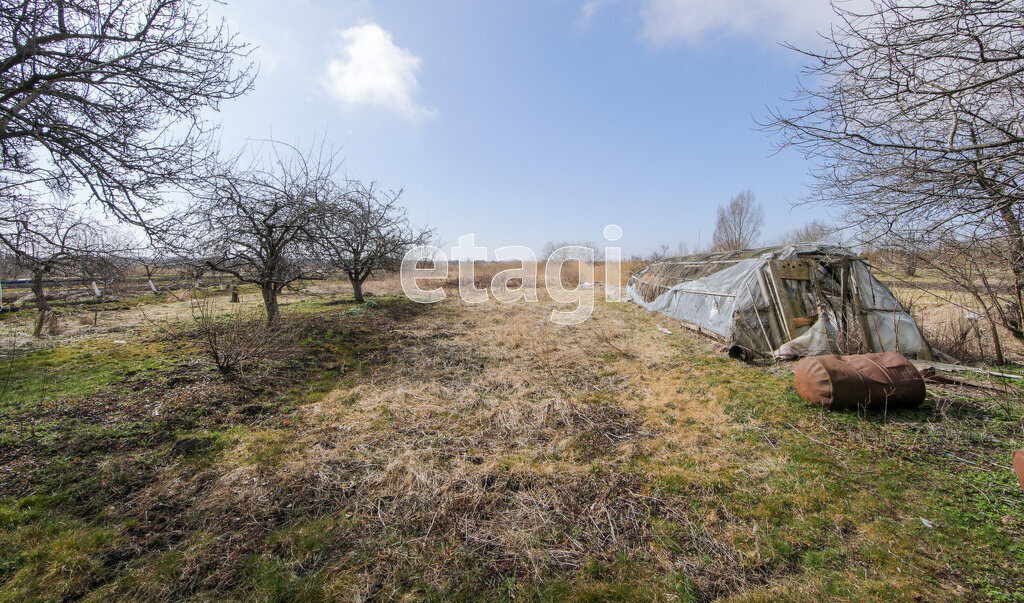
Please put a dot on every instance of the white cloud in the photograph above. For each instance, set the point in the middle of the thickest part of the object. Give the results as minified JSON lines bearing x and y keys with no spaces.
{"x":669,"y":22}
{"x":588,"y":10}
{"x":369,"y":70}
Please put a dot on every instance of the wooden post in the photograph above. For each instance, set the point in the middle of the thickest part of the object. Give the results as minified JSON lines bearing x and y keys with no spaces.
{"x":773,"y":321}
{"x":760,"y":323}
{"x":775,"y":284}
{"x":844,"y":325}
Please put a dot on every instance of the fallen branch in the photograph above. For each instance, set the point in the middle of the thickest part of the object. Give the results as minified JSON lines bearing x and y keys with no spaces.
{"x":955,"y":368}
{"x":930,"y":375}
{"x":793,"y":427}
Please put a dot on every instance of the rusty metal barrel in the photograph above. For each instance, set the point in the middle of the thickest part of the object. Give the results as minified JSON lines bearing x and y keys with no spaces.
{"x":1018,"y":466}
{"x":865,"y":381}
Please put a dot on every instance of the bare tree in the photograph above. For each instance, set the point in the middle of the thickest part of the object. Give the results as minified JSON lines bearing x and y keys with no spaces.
{"x":739,"y":223}
{"x":103,"y":268}
{"x":362,"y":230}
{"x":107,"y":96}
{"x":153,"y":261}
{"x":259,"y":221}
{"x":977,"y":268}
{"x":664,"y":251}
{"x":8,"y":266}
{"x":815,"y":231}
{"x":192,"y":269}
{"x":915,"y":121}
{"x":660,"y":252}
{"x":8,"y":271}
{"x":909,"y":248}
{"x":60,"y":241}
{"x":560,"y":251}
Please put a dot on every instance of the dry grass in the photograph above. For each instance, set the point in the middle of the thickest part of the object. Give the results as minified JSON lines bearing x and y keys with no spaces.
{"x":571,"y":275}
{"x":488,"y":439}
{"x":949,"y":317}
{"x":954,"y":324}
{"x":113,"y":320}
{"x":481,"y":451}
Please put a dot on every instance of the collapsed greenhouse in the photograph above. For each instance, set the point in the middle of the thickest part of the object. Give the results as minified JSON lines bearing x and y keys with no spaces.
{"x":788,"y":302}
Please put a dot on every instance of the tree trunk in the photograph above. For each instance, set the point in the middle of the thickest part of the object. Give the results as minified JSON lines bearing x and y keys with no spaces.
{"x":995,"y":341}
{"x":992,"y":323}
{"x":357,"y":289}
{"x":41,"y":303}
{"x":37,"y":289}
{"x":1015,"y":242}
{"x":909,"y":265}
{"x":149,"y":279}
{"x":270,"y":302}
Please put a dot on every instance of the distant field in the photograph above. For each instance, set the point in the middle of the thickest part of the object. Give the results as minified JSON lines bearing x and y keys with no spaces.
{"x":950,"y":318}
{"x":392,"y":450}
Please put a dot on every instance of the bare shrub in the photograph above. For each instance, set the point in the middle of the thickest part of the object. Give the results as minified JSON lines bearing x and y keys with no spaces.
{"x":952,"y":331}
{"x":960,"y":338}
{"x":46,"y":322}
{"x":569,"y":273}
{"x":1008,"y":398}
{"x":974,"y":278}
{"x":231,"y":341}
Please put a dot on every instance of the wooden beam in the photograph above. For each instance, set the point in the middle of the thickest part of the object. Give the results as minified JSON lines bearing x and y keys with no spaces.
{"x":773,"y":320}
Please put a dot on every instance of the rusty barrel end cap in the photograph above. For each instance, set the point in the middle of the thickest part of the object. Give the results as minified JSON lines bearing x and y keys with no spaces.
{"x":1018,"y":466}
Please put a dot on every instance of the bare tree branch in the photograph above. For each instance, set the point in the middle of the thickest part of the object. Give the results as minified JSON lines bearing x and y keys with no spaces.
{"x":739,"y":223}
{"x":362,"y":229}
{"x":107,"y":96}
{"x":916,"y":121}
{"x":257,"y":222}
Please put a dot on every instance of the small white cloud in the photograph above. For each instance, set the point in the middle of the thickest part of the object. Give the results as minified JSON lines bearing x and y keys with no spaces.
{"x":368,"y":69}
{"x":588,"y":10}
{"x":668,"y":22}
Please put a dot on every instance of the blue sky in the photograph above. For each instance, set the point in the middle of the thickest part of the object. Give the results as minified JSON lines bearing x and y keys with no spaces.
{"x":530,"y":121}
